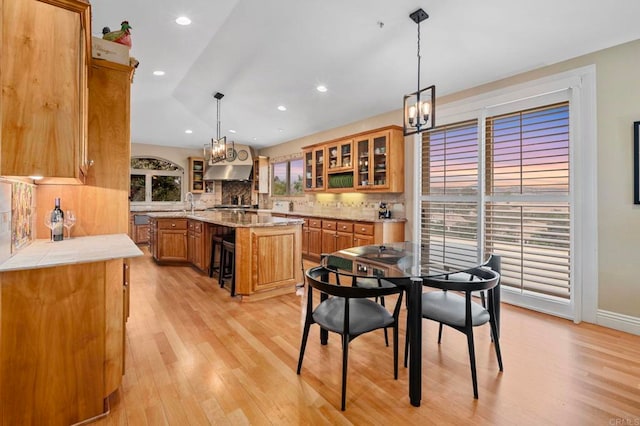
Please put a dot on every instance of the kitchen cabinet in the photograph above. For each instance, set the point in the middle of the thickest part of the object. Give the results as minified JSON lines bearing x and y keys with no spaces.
{"x":139,"y":228}
{"x":63,"y":334}
{"x":371,"y":161}
{"x":315,"y":239}
{"x":380,"y":159}
{"x":171,"y":240}
{"x":364,"y":234}
{"x":102,"y":203}
{"x":314,"y":168}
{"x":153,"y":237}
{"x":195,"y":246}
{"x":261,"y":175}
{"x":340,"y":168}
{"x":196,"y":175}
{"x":44,"y":73}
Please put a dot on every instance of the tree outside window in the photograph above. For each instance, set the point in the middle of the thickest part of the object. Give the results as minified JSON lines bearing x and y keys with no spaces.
{"x":155,"y":180}
{"x":287,"y":178}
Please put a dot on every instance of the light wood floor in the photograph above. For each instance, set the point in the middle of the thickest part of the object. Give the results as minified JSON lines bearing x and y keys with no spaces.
{"x":196,"y":356}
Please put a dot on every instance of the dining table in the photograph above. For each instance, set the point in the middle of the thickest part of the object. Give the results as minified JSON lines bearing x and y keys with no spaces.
{"x":404,"y":264}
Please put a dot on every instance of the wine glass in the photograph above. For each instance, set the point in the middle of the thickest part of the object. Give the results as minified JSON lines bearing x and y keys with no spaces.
{"x":49,"y":224}
{"x":69,"y":221}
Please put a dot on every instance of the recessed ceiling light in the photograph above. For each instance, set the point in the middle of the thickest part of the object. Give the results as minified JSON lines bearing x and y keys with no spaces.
{"x":188,"y":131}
{"x":281,"y":130}
{"x":183,"y":20}
{"x":321,"y":88}
{"x":255,"y":139}
{"x":231,"y":131}
{"x":282,"y":108}
{"x":158,"y":72}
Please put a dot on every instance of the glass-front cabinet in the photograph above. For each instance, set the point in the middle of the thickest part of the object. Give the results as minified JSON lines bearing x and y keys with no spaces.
{"x":373,"y":164}
{"x":366,"y":162}
{"x":314,"y":168}
{"x":340,"y":167}
{"x":196,"y":175}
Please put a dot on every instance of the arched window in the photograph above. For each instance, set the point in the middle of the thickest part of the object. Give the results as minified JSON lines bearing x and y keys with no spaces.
{"x":155,"y":180}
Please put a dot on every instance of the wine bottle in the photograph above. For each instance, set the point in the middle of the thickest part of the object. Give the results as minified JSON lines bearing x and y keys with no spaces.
{"x":57,"y":222}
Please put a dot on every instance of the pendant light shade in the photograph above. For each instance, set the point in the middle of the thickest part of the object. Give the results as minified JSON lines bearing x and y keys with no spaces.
{"x":217,"y":150}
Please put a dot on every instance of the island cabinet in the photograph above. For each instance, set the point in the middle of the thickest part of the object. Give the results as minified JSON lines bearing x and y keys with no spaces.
{"x":196,"y":249}
{"x":44,"y":68}
{"x":268,"y":260}
{"x":171,"y":240}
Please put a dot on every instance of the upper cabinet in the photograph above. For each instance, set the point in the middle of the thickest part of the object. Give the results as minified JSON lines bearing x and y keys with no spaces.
{"x":44,"y":67}
{"x":196,"y":175}
{"x":261,"y":175}
{"x":314,"y":168}
{"x":366,"y":162}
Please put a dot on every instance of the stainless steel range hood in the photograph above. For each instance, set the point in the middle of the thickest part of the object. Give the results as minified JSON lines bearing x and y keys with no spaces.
{"x":228,"y":172}
{"x":236,"y":168}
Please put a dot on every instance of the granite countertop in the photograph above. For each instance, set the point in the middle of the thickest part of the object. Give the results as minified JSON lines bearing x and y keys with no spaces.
{"x":96,"y":248}
{"x":342,"y":215}
{"x":232,"y":219}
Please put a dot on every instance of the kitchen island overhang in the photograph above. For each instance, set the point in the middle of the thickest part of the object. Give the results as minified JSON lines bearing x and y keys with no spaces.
{"x":268,"y":250}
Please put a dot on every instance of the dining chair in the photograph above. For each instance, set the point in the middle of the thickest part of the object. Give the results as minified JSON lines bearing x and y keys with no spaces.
{"x":452,"y":305}
{"x":348,"y":310}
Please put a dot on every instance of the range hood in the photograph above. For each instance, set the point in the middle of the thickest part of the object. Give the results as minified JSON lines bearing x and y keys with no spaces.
{"x":238,"y":167}
{"x":228,"y":172}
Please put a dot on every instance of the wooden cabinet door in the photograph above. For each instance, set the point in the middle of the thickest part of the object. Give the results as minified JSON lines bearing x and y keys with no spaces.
{"x":45,"y":54}
{"x":328,"y":241}
{"x":344,"y":240}
{"x":305,"y":238}
{"x":362,"y":240}
{"x":172,"y":245}
{"x":315,"y":242}
{"x":142,"y":234}
{"x":198,"y":250}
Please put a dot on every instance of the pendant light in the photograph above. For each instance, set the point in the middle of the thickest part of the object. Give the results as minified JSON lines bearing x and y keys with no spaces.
{"x":217,"y":150}
{"x":419,"y":106}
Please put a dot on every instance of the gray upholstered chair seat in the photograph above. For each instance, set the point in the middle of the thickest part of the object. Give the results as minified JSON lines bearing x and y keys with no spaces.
{"x":373,"y":283}
{"x":364,"y":315}
{"x":449,"y":308}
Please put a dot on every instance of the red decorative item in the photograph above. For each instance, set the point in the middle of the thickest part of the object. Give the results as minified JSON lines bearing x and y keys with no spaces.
{"x":123,"y":36}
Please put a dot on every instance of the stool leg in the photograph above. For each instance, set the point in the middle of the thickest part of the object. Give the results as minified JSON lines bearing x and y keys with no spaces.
{"x":233,"y":273}
{"x":221,"y":266}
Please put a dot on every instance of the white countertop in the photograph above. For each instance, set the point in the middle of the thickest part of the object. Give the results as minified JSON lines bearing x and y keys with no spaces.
{"x":96,"y":248}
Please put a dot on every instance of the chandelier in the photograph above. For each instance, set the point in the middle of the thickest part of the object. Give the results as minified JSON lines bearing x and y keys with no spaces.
{"x":216,"y":151}
{"x":419,"y":106}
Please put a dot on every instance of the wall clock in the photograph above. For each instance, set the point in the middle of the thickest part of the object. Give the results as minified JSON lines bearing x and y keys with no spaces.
{"x":243,"y":155}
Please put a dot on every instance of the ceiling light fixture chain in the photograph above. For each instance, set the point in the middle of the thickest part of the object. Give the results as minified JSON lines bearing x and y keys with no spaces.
{"x":419,"y":107}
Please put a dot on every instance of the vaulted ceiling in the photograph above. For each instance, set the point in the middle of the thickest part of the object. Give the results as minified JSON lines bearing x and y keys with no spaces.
{"x":263,"y":54}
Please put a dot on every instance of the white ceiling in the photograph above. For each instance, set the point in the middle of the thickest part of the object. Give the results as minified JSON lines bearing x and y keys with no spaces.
{"x":265,"y":53}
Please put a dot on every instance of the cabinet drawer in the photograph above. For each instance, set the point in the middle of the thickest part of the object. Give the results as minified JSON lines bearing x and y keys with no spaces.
{"x":172,"y":224}
{"x":364,"y":228}
{"x":315,"y":223}
{"x":329,"y":224}
{"x":344,"y":226}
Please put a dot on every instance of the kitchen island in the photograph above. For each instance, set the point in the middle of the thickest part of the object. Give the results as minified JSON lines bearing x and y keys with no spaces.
{"x":268,"y":259}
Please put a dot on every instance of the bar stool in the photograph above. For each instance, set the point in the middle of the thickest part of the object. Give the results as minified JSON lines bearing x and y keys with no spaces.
{"x":216,"y":242}
{"x":227,"y":268}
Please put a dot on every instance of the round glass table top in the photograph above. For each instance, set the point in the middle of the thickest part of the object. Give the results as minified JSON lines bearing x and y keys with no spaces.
{"x":401,"y":260}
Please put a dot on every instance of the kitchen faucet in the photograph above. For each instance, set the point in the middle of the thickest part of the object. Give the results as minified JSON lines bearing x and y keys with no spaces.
{"x":189,"y":197}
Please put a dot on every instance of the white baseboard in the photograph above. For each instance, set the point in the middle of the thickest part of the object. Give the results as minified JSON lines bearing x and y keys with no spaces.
{"x":620,"y":322}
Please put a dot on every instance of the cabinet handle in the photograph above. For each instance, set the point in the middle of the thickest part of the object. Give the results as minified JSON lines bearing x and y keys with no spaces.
{"x":173,"y":225}
{"x":362,"y":230}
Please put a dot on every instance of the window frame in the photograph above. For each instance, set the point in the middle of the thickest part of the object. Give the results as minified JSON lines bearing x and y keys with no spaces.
{"x":288,"y":182}
{"x":578,"y":86}
{"x":149,"y":173}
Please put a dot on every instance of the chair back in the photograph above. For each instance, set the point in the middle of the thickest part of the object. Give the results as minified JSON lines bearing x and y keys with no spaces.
{"x":345,"y":286}
{"x":481,"y":279}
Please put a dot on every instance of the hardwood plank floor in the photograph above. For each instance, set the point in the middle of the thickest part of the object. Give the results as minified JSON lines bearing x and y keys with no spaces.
{"x":195,"y":356}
